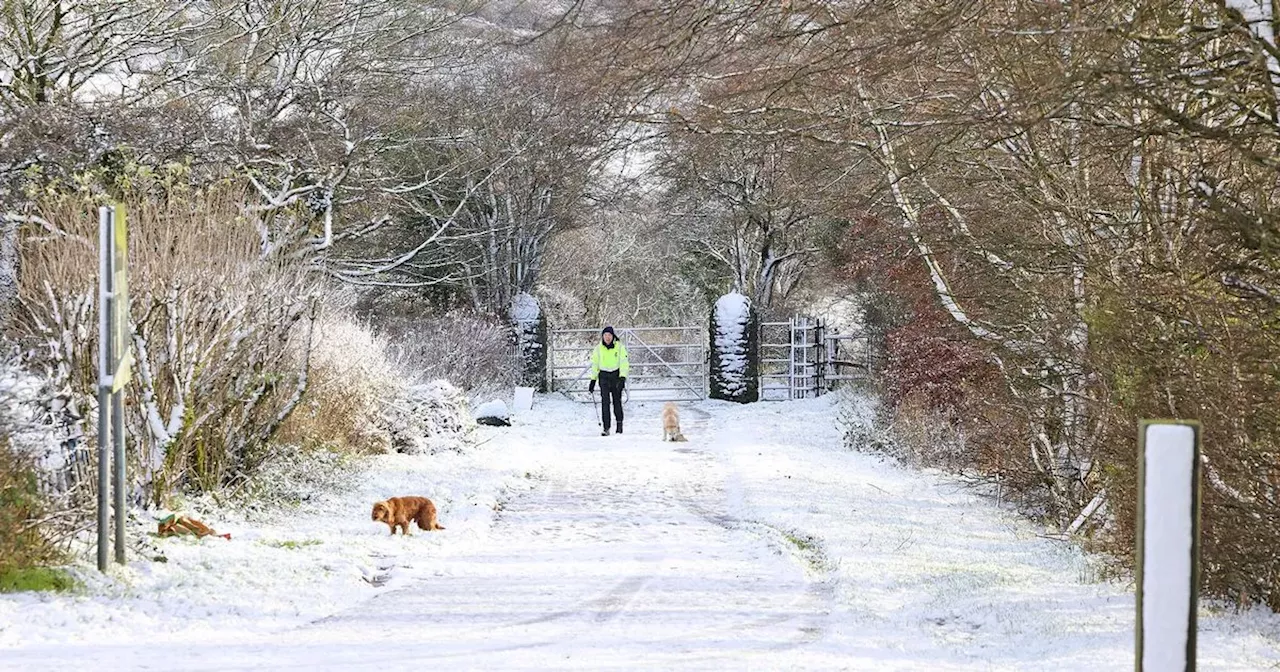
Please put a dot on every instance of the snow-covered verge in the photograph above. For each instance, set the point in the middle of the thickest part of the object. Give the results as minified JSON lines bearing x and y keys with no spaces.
{"x":929,"y":575}
{"x":283,"y":567}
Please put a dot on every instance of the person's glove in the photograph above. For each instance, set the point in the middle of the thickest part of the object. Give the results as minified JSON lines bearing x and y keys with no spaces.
{"x":622,"y":383}
{"x":592,"y":386}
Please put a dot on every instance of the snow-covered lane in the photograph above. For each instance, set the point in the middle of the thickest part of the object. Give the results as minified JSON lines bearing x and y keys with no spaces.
{"x":620,"y":554}
{"x":760,"y":544}
{"x":607,"y":564}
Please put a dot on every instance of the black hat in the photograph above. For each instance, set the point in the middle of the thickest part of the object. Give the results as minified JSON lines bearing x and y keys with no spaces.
{"x":608,"y":330}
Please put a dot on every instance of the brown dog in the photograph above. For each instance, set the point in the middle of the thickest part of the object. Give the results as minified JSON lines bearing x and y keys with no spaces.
{"x":398,"y":511}
{"x":671,"y":423}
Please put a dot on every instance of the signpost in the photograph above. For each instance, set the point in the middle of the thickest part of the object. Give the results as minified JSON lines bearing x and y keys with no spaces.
{"x":1168,"y":545}
{"x":115,"y":358}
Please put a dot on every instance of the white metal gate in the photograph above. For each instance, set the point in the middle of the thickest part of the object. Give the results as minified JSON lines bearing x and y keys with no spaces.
{"x":799,"y":359}
{"x":667,"y":363}
{"x":789,"y":359}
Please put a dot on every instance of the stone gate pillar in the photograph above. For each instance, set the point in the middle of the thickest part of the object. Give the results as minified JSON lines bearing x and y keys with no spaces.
{"x":735,"y":350}
{"x":531,"y":340}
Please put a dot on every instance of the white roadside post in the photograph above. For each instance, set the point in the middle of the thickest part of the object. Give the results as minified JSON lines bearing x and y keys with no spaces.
{"x":106,"y":366}
{"x":1168,"y":545}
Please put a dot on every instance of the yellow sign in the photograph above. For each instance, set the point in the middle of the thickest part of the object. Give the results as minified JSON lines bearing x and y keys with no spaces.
{"x":120,"y":332}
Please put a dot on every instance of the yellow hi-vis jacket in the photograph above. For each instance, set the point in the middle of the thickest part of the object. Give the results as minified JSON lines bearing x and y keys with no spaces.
{"x":610,"y":359}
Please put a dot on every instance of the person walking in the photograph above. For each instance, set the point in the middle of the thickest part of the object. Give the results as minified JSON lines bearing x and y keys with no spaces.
{"x":609,"y":365}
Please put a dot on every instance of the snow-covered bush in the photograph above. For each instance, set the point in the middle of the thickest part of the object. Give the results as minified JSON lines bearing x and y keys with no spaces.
{"x":476,"y":353}
{"x":926,"y":436}
{"x":352,"y":379}
{"x":429,"y":418}
{"x":866,"y":429}
{"x":294,"y":474}
{"x":362,"y":400}
{"x":910,"y":430}
{"x":27,"y":450}
{"x":735,"y":349}
{"x":531,"y":340}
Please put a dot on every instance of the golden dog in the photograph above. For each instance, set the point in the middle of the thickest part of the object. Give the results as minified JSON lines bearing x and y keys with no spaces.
{"x":398,"y":511}
{"x":671,"y":423}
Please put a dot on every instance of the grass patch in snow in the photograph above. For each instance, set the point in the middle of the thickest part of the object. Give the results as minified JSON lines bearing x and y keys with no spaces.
{"x":44,"y":579}
{"x":292,"y":544}
{"x":804,"y":543}
{"x":808,"y":548}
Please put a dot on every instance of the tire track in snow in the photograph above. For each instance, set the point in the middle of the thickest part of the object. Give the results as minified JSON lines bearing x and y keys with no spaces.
{"x":818,"y":598}
{"x":600,"y":608}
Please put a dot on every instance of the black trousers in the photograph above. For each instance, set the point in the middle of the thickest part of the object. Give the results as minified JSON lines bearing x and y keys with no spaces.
{"x":610,"y":389}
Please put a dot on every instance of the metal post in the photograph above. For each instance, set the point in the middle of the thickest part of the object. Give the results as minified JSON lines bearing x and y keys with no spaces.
{"x":791,"y":360}
{"x":804,"y":381}
{"x":807,"y":370}
{"x":117,"y":427}
{"x":829,"y":344}
{"x":814,"y":357}
{"x":761,"y":370}
{"x":550,"y":373}
{"x":105,"y":362}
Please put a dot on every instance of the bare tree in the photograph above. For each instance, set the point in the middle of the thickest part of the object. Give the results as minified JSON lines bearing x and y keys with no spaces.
{"x":66,"y":49}
{"x":308,"y":99}
{"x":749,"y":206}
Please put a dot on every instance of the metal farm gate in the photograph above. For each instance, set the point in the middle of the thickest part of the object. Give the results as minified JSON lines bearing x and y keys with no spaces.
{"x":667,"y":363}
{"x":800,"y":359}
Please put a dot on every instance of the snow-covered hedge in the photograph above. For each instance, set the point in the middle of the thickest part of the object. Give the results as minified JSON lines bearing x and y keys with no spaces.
{"x":20,"y":416}
{"x":531,"y":340}
{"x":429,"y":418}
{"x":735,"y":349}
{"x":29,"y":456}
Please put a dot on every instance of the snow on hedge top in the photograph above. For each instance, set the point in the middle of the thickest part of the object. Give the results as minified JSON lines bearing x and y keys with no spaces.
{"x":524,"y":308}
{"x":733,"y":312}
{"x":733,"y":308}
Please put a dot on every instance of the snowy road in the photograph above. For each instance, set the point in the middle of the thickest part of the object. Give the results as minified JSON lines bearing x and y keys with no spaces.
{"x":760,"y":544}
{"x":620,"y":558}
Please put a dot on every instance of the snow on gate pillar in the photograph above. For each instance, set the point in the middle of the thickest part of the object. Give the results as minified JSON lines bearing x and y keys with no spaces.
{"x":1168,"y":545}
{"x":531,"y":340}
{"x":735,"y":350}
